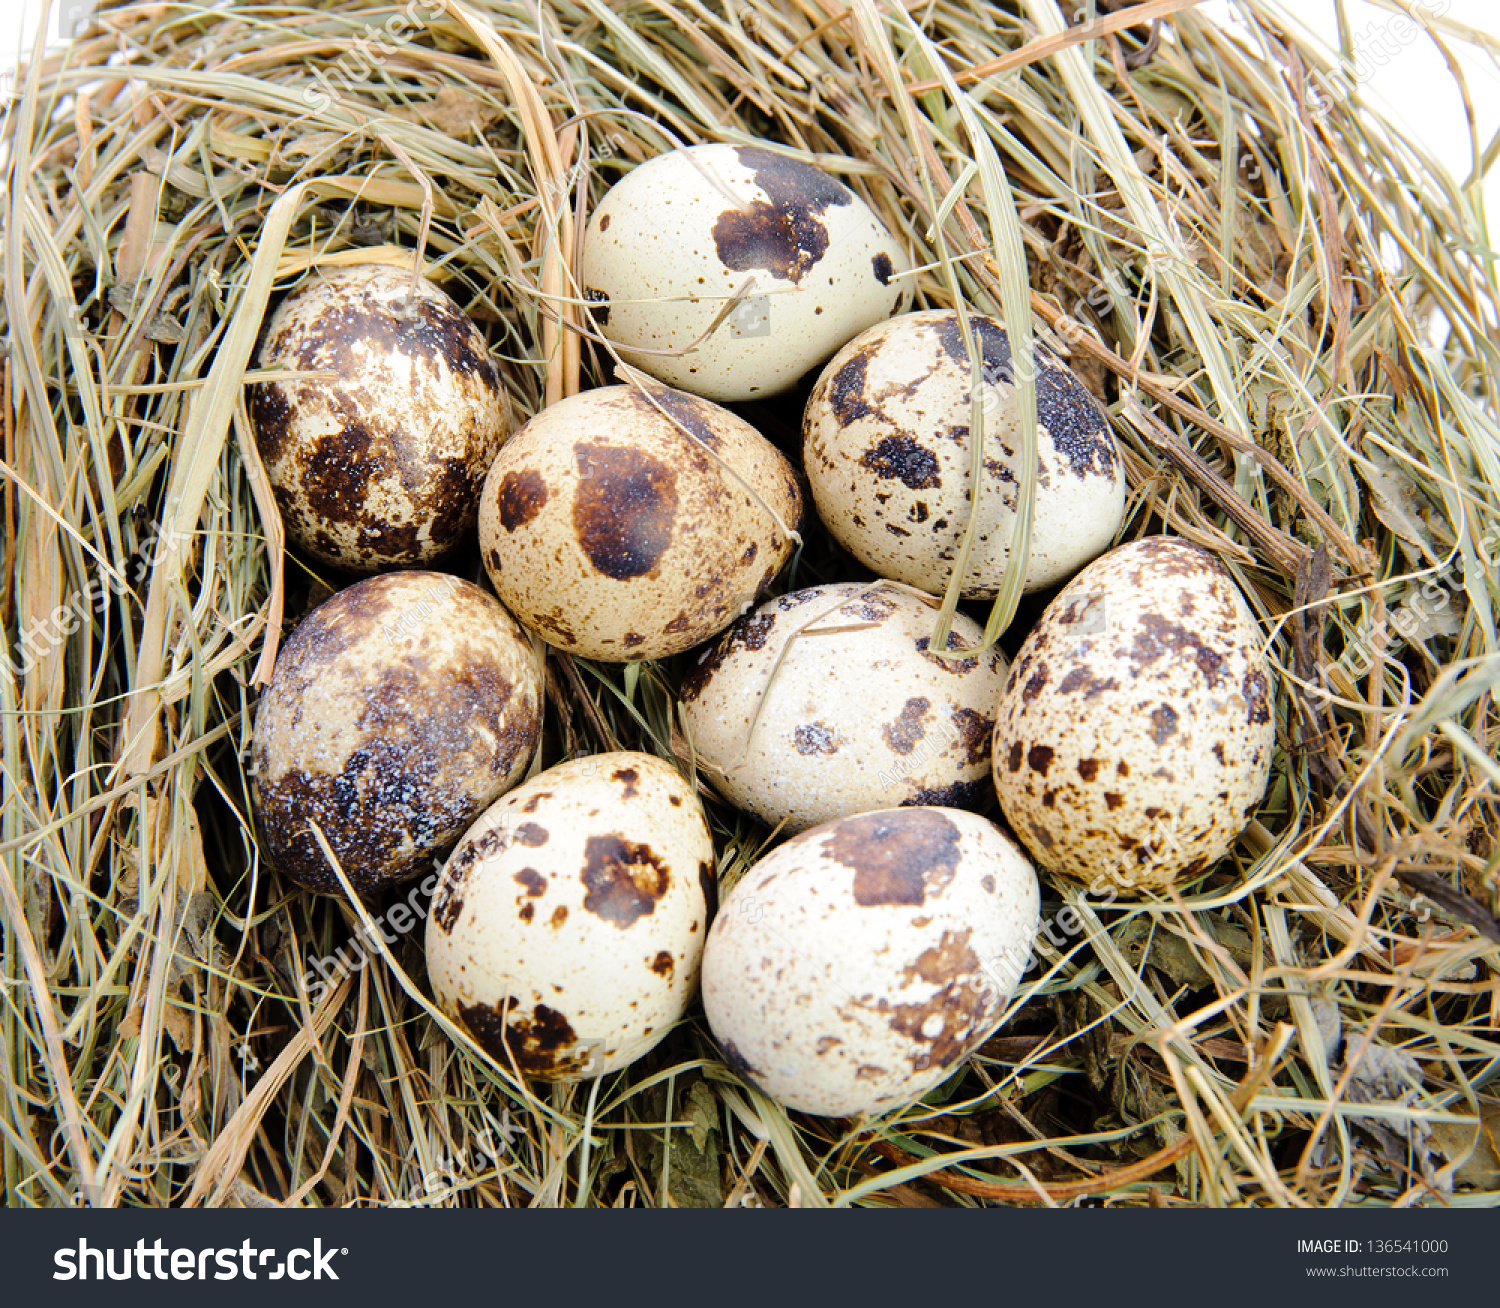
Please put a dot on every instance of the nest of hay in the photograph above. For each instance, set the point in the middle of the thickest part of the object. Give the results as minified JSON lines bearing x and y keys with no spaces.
{"x":1289,"y":311}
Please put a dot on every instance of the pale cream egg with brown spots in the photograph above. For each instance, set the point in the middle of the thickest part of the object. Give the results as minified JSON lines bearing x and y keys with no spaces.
{"x":634,"y":522}
{"x":1133,"y":742}
{"x":830,"y":701}
{"x":673,"y":243}
{"x":858,"y":965}
{"x":567,"y":929}
{"x":378,"y":465}
{"x":398,"y":710}
{"x":886,"y":449}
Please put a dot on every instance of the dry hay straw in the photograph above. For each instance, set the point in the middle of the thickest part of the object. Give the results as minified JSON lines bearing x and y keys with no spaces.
{"x":1291,"y":313}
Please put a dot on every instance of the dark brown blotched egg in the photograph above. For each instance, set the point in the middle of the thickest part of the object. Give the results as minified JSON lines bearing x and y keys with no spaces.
{"x":378,"y":466}
{"x":398,"y":710}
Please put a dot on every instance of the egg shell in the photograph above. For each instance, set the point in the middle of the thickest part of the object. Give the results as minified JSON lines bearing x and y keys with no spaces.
{"x":853,"y":713}
{"x":676,"y":239}
{"x":632,"y":523}
{"x":567,"y":929}
{"x":886,"y":437}
{"x":397,"y":711}
{"x":380,"y":465}
{"x":854,"y":967}
{"x":1133,"y":741}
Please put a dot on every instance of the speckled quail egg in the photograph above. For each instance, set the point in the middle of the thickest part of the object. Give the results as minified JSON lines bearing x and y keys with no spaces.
{"x":397,"y":711}
{"x":678,"y":238}
{"x":850,"y":708}
{"x":886,"y":438}
{"x":1133,"y":740}
{"x":378,"y":466}
{"x":567,"y":929}
{"x":634,"y":522}
{"x":857,"y":965}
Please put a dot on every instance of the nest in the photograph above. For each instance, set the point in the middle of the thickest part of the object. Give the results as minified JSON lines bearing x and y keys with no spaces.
{"x":1290,"y":312}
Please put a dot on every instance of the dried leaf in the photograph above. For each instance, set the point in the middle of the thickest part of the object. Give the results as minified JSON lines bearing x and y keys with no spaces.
{"x":695,"y":1166}
{"x":1400,"y":506}
{"x":1454,"y":903}
{"x":130,"y":1024}
{"x":702,"y":1110}
{"x":450,"y":112}
{"x":1330,"y":1022}
{"x":1384,"y":1075}
{"x":1482,"y":1167}
{"x":179,"y":1026}
{"x":163,"y":327}
{"x":1173,"y":956}
{"x":696,"y":1180}
{"x":1430,"y":620}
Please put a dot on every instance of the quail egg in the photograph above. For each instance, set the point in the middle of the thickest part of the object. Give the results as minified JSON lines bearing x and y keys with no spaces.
{"x":886,"y":449}
{"x":679,"y":237}
{"x":1133,"y":741}
{"x":567,"y":928}
{"x":634,"y":522}
{"x":378,"y":466}
{"x":829,"y":701}
{"x":857,"y":965}
{"x":397,"y":711}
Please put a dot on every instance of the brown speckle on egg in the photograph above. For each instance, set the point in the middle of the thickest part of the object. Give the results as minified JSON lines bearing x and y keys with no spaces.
{"x":598,"y":301}
{"x":627,"y":777}
{"x":815,"y":738}
{"x":898,"y":858}
{"x":903,"y":734}
{"x":519,"y":497}
{"x":538,"y":1044}
{"x":900,"y":457}
{"x":624,"y":509}
{"x":846,"y":392}
{"x":783,"y":234}
{"x":974,"y":731}
{"x":1163,"y":723}
{"x":624,"y":880}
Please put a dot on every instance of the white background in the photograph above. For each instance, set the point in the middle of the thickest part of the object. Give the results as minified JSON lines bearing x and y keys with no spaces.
{"x":1413,"y":84}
